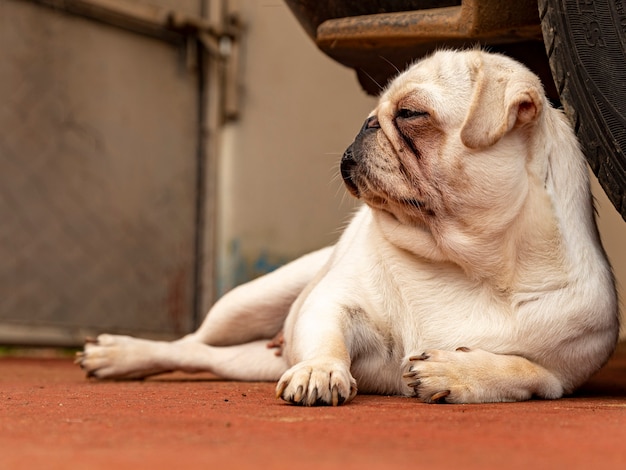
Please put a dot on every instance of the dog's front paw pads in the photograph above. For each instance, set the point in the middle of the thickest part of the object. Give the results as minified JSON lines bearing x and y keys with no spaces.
{"x":314,"y":383}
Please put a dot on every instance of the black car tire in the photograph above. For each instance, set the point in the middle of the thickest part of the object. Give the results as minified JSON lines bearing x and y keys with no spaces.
{"x":586,"y":45}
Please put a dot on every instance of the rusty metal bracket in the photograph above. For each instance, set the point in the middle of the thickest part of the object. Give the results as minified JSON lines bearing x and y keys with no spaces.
{"x":486,"y":20}
{"x":377,"y":45}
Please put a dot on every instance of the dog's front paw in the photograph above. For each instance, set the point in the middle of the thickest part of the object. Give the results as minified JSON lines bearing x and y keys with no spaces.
{"x":477,"y":376}
{"x":317,"y":382}
{"x":460,"y":376}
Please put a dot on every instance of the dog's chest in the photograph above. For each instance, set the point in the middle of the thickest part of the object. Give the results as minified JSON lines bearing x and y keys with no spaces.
{"x":421,"y":306}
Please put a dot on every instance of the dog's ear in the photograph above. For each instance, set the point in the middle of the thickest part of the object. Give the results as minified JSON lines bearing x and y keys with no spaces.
{"x":502,"y":100}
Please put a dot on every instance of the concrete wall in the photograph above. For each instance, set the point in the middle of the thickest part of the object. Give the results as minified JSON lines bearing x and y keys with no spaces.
{"x":280,"y":194}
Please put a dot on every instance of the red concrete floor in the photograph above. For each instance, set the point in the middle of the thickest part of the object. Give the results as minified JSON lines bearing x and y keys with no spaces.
{"x":51,"y":417}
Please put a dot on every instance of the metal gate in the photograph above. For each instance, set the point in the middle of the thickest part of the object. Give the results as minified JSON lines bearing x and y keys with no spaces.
{"x":103,"y":162}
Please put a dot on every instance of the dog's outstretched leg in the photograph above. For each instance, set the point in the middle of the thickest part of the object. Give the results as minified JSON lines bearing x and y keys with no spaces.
{"x":124,"y":357}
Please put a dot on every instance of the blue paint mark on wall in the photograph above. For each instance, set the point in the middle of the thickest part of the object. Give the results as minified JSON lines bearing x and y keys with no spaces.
{"x":238,"y":268}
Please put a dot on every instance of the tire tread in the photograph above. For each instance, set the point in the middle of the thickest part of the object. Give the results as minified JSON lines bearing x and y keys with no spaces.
{"x":603,"y":153}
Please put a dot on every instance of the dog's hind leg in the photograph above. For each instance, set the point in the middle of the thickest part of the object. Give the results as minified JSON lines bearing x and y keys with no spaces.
{"x":257,"y":309}
{"x":124,"y":357}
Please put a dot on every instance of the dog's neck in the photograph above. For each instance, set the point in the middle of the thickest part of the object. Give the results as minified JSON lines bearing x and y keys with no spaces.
{"x":505,"y":260}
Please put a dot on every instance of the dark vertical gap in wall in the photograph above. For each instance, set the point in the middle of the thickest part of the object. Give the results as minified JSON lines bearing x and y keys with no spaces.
{"x":201,"y":193}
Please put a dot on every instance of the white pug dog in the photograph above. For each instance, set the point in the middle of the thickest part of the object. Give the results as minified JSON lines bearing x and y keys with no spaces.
{"x":473,"y":273}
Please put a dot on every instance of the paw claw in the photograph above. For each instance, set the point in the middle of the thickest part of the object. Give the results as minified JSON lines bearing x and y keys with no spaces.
{"x":335,"y":396}
{"x":463,"y":349}
{"x":421,"y":357}
{"x":280,"y":388}
{"x":297,"y":398}
{"x":439,"y":397}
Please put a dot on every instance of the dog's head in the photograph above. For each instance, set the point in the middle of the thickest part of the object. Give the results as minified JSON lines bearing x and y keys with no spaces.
{"x":448,"y":142}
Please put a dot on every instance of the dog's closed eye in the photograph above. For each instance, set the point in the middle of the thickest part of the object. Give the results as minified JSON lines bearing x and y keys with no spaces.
{"x":406,"y":113}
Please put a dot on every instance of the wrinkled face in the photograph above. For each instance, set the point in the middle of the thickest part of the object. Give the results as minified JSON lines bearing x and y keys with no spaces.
{"x":444,"y":143}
